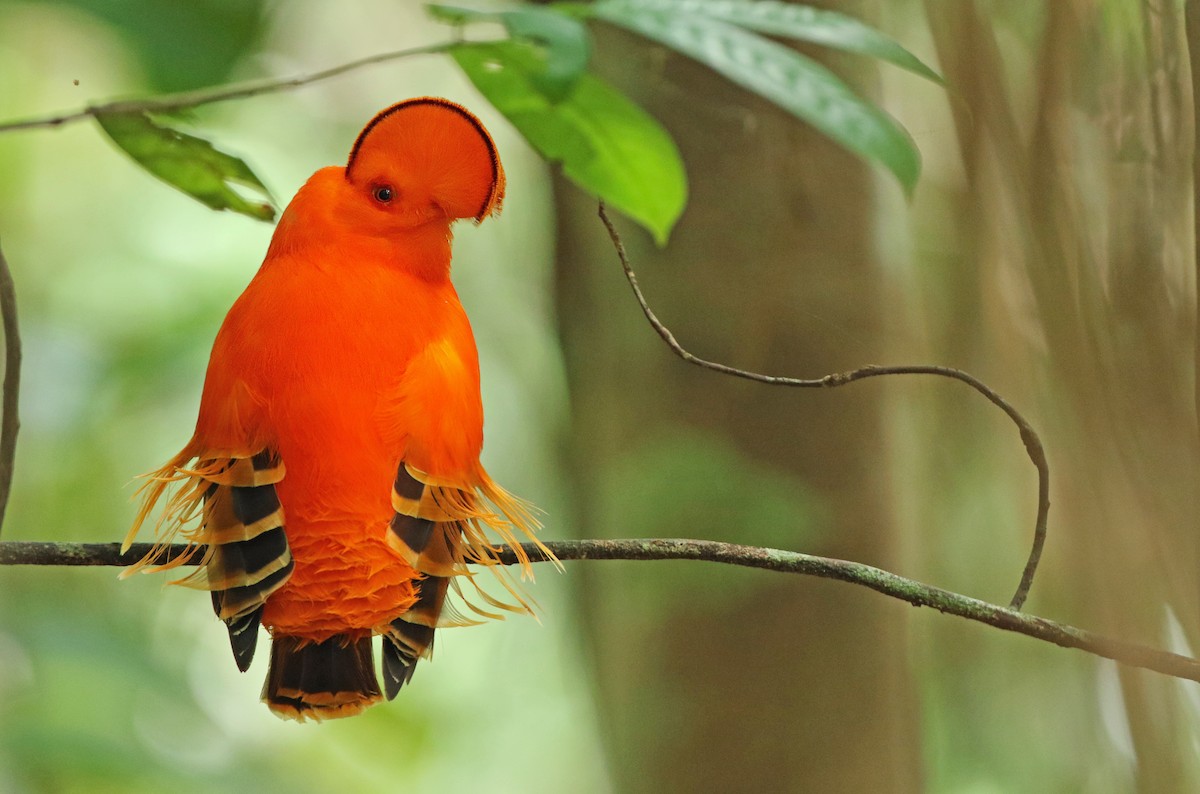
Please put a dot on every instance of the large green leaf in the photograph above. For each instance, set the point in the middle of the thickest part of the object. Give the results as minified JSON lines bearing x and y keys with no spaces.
{"x":184,"y":45}
{"x":188,"y":163}
{"x":797,"y":84}
{"x":565,"y":39}
{"x":606,"y":144}
{"x":456,"y":15}
{"x":792,"y":21}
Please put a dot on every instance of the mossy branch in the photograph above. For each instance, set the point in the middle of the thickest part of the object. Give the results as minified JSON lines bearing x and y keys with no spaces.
{"x":890,"y":584}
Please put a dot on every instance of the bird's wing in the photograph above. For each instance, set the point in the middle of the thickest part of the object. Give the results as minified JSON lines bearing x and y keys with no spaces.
{"x":240,"y":535}
{"x":248,"y":557}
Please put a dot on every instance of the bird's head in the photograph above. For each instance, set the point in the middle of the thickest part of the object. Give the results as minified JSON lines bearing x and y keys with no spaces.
{"x":415,"y":168}
{"x":424,"y":160}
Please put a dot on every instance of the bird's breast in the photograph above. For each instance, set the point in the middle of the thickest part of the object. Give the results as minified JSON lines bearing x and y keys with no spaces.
{"x":354,"y":369}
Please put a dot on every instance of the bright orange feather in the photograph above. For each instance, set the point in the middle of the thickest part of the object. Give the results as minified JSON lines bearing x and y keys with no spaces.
{"x":350,"y":355}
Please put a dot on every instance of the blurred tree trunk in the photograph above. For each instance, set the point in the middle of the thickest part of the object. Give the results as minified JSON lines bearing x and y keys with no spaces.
{"x":1074,"y":126}
{"x":713,"y":680}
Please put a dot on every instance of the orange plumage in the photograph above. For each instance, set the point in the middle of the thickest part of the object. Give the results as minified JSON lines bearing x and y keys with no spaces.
{"x":336,"y":455}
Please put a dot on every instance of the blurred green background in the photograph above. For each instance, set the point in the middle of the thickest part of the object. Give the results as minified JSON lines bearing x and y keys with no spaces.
{"x":1048,"y":250}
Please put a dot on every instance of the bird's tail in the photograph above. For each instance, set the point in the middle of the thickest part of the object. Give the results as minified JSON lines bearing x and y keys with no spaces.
{"x":321,"y":680}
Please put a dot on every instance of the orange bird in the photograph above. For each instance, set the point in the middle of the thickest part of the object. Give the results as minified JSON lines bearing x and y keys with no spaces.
{"x":335,"y":464}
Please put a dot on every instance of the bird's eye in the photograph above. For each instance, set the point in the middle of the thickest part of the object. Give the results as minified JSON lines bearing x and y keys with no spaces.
{"x":383,"y":194}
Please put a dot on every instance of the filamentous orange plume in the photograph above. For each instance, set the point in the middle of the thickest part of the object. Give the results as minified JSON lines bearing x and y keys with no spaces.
{"x":334,"y":479}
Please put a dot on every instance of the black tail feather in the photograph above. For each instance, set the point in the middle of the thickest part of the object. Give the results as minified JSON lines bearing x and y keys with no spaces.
{"x":321,"y":680}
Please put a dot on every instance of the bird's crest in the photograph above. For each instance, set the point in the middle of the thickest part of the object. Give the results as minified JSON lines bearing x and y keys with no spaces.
{"x":442,"y":145}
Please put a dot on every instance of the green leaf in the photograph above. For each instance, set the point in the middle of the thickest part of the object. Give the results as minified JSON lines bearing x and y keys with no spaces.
{"x":804,"y":23}
{"x":606,"y":144}
{"x":188,"y":163}
{"x":454,"y":15}
{"x":795,"y":83}
{"x":567,"y":41}
{"x":564,"y":38}
{"x":207,"y":38}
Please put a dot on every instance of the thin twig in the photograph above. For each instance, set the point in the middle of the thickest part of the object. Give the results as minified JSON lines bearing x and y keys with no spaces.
{"x":9,"y":419}
{"x":1033,"y":444}
{"x":207,"y":96}
{"x":908,"y":590}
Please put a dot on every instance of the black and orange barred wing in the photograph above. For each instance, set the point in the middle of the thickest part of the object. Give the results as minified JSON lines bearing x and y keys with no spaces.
{"x":246,"y":555}
{"x":439,"y":529}
{"x":423,"y":535}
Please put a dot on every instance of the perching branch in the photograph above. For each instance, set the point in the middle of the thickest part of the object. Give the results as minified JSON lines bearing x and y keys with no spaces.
{"x":909,"y":590}
{"x":1033,"y":444}
{"x":9,"y":420}
{"x":207,"y":96}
